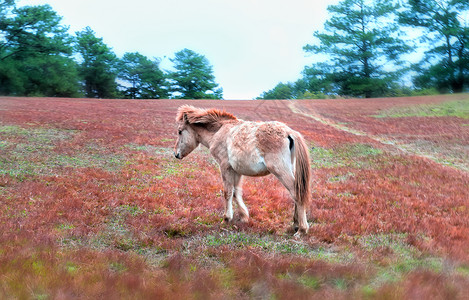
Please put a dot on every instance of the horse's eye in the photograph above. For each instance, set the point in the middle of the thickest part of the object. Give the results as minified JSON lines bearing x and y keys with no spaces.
{"x":180,"y":132}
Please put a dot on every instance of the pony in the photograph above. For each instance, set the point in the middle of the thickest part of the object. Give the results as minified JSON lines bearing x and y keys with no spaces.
{"x":245,"y":148}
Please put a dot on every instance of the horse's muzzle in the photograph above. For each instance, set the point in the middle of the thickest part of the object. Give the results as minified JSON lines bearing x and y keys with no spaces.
{"x":177,"y":155}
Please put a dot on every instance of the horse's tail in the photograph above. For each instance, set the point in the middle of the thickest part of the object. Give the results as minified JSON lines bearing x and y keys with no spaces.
{"x":300,"y":155}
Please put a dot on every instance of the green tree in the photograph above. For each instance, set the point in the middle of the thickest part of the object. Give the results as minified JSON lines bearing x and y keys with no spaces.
{"x":280,"y":91}
{"x":6,"y":7}
{"x":35,"y":53}
{"x":6,"y":11}
{"x":193,"y":77}
{"x":446,"y":65}
{"x":143,"y":77}
{"x":318,"y":80}
{"x":98,"y":67}
{"x":300,"y":89}
{"x":361,"y":38}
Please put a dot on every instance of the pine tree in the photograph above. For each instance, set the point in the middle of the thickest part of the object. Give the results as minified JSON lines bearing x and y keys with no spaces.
{"x":98,"y":68}
{"x":446,"y":65}
{"x":35,"y":53}
{"x":361,"y":38}
{"x":193,"y":77}
{"x":143,"y":77}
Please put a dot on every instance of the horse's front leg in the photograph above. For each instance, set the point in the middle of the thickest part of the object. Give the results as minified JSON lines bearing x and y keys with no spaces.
{"x":238,"y":195}
{"x":228,"y":176}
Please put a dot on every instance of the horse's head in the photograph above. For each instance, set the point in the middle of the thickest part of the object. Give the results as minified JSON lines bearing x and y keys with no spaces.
{"x":191,"y":120}
{"x":187,"y":139}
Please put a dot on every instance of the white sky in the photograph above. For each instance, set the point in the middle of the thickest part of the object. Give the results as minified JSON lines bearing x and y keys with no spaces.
{"x":251,"y":44}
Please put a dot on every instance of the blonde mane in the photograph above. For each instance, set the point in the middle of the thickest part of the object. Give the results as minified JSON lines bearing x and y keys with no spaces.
{"x":194,"y":115}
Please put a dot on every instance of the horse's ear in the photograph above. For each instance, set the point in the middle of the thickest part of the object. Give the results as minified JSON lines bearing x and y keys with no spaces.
{"x":184,"y":113}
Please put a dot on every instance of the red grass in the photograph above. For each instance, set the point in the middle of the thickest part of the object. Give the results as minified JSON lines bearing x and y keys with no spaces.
{"x":97,"y":220}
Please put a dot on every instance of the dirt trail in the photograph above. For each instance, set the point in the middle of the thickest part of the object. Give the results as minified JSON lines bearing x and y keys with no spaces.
{"x":406,"y":148}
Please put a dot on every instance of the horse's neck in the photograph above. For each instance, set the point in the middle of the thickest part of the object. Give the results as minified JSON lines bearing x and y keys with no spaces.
{"x":205,"y":136}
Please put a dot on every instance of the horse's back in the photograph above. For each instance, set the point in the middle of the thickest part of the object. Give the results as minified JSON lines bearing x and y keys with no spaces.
{"x":248,"y":144}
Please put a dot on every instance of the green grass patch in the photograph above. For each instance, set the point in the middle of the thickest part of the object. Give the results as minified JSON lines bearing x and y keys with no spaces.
{"x":65,"y":227}
{"x":463,"y":270}
{"x":133,"y":210}
{"x":27,"y":161}
{"x":311,"y":282}
{"x":341,"y":177}
{"x":177,"y":168}
{"x":116,"y":233}
{"x":450,"y":153}
{"x":164,"y":140}
{"x":268,"y":244}
{"x":149,"y":149}
{"x":12,"y":130}
{"x":101,"y":159}
{"x":71,"y":268}
{"x":242,"y":240}
{"x":30,"y":152}
{"x":172,"y":167}
{"x":459,"y":108}
{"x":37,"y":135}
{"x":401,"y":258}
{"x":4,"y":144}
{"x":347,"y":155}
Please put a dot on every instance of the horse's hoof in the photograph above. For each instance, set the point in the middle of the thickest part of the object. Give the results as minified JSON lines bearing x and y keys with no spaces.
{"x":300,"y":231}
{"x":244,"y":219}
{"x":227,"y":220}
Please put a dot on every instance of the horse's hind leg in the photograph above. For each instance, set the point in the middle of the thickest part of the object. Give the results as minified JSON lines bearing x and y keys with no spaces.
{"x":238,"y":190}
{"x":283,"y":171}
{"x":295,"y":219}
{"x":300,"y":223}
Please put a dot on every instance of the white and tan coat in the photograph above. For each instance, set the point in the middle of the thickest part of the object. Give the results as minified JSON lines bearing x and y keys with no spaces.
{"x":243,"y":148}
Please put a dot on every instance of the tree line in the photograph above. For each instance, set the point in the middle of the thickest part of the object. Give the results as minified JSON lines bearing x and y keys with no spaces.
{"x":38,"y":57}
{"x":366,"y":46}
{"x":364,"y":42}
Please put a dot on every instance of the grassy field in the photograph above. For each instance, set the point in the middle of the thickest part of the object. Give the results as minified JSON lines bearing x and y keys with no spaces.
{"x":93,"y":204}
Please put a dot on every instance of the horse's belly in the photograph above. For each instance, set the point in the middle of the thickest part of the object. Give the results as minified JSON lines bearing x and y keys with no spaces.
{"x":243,"y":154}
{"x":250,"y":164}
